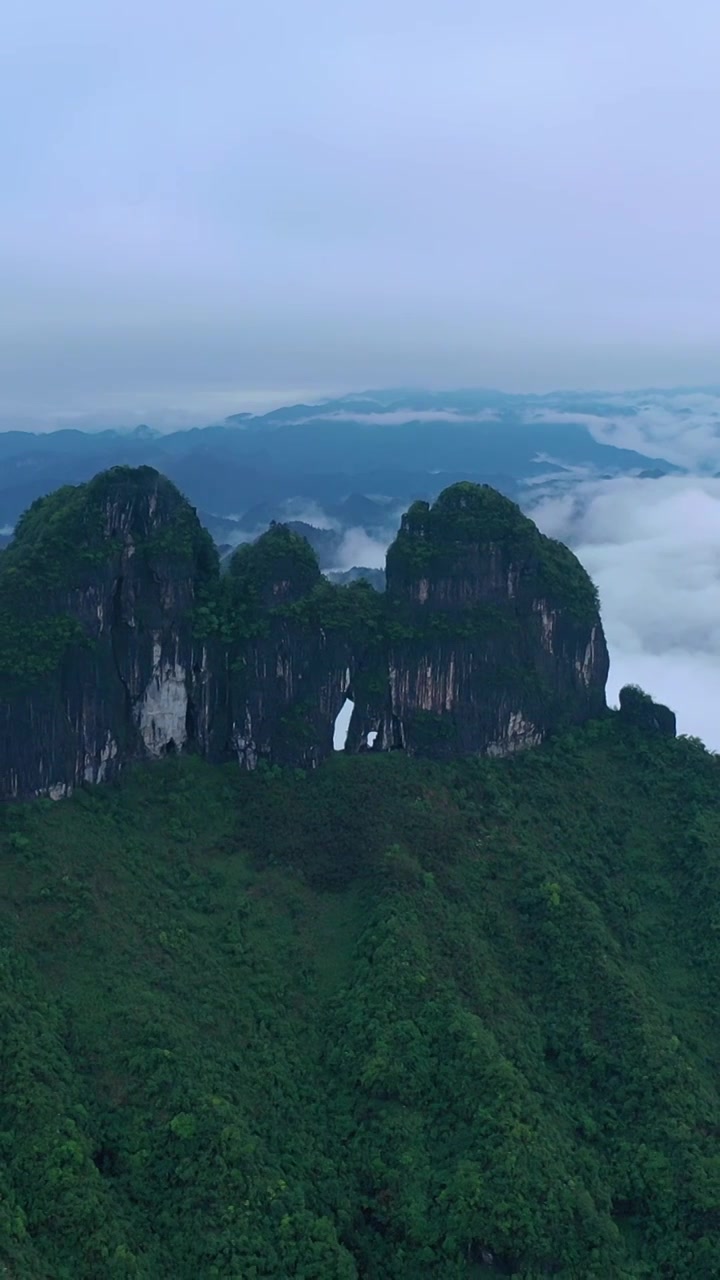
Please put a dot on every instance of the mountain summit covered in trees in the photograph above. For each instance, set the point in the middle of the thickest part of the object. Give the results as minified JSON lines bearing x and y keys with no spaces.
{"x":120,"y":639}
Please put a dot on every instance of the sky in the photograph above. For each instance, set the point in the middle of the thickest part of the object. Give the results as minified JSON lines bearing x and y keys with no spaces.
{"x":206,"y":204}
{"x":653,"y":550}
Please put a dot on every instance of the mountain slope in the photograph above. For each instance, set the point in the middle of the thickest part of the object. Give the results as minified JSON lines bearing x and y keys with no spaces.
{"x":391,"y":1019}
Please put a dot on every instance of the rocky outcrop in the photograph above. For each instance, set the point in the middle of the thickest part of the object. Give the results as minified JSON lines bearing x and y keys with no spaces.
{"x":495,"y":638}
{"x":121,"y":640}
{"x":638,"y":711}
{"x":289,"y":666}
{"x":97,"y":657}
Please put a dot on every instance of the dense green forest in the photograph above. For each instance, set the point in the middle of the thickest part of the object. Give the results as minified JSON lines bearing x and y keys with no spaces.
{"x":388,"y":1020}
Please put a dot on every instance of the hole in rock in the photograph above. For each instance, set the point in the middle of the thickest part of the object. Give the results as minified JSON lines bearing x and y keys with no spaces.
{"x":372,"y":735}
{"x":342,"y":724}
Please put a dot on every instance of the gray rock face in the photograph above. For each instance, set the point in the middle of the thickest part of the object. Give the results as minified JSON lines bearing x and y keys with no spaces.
{"x":122,"y":688}
{"x":286,"y":696}
{"x":499,"y":639}
{"x":120,"y":640}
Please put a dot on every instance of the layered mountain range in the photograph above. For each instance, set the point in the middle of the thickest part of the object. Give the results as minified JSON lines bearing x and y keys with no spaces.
{"x":121,"y":639}
{"x":341,"y":453}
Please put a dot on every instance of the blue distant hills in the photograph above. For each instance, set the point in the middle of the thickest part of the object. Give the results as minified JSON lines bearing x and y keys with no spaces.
{"x":393,"y":444}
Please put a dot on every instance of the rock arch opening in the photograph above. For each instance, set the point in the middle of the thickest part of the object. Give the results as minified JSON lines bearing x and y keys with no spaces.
{"x":342,"y":724}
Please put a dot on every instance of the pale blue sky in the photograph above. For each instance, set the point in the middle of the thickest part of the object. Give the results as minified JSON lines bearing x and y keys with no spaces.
{"x":208,"y":199}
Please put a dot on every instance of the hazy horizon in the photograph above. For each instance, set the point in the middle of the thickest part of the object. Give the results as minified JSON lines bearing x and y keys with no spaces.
{"x":327,"y":197}
{"x":203,"y":408}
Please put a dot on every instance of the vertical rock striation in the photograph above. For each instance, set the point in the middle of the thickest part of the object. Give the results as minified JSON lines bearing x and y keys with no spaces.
{"x":96,"y":649}
{"x":494,"y":634}
{"x":289,"y":661}
{"x":120,"y":640}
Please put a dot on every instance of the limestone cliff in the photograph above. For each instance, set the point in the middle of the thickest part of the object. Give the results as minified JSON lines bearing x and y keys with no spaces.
{"x":494,"y":634}
{"x":96,"y":651}
{"x":121,"y":640}
{"x":288,"y":664}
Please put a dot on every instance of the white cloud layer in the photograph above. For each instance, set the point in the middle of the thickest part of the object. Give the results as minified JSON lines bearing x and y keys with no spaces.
{"x":681,"y":426}
{"x":402,"y":417}
{"x":359,"y":549}
{"x":653,"y":548}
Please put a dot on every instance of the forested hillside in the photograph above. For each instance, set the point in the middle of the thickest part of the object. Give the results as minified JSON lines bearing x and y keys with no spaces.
{"x":390,"y":1020}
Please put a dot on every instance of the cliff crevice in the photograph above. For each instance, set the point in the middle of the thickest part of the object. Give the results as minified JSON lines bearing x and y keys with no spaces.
{"x":121,"y":640}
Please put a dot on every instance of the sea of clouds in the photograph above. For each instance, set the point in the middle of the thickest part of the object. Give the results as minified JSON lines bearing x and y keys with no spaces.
{"x":681,"y":426}
{"x":653,"y":549}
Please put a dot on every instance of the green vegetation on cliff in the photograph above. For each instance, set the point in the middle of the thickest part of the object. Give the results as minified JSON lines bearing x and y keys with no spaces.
{"x":388,"y":1020}
{"x":277,"y":578}
{"x":66,"y":541}
{"x":279,"y":566}
{"x":69,"y":542}
{"x":434,"y":542}
{"x":76,"y":529}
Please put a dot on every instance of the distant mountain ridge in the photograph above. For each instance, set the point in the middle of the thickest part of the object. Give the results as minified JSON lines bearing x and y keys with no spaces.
{"x":326,"y":451}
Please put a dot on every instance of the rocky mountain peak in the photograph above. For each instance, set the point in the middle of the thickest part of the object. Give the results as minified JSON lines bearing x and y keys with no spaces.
{"x":119,"y":637}
{"x":473,"y":546}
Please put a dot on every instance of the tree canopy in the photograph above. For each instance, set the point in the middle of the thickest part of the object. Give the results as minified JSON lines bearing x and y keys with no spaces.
{"x":387,"y":1019}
